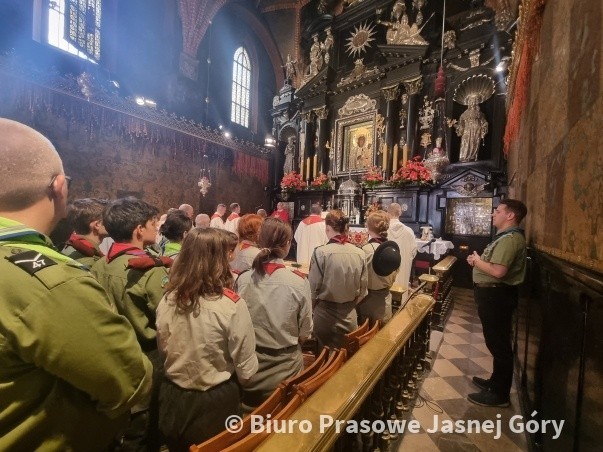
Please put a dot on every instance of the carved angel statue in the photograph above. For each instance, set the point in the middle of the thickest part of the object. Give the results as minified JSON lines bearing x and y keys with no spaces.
{"x":289,"y":155}
{"x":327,"y":45}
{"x":316,"y":59}
{"x":399,"y":32}
{"x":472,"y":127}
{"x":289,"y":68}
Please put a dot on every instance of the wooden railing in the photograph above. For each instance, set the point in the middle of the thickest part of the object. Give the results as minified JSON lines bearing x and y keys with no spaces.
{"x":377,"y":383}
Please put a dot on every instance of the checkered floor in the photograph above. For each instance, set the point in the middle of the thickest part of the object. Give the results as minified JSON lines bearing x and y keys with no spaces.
{"x":462,"y":354}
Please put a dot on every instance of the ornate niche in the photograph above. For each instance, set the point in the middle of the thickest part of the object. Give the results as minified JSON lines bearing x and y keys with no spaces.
{"x":356,"y":136}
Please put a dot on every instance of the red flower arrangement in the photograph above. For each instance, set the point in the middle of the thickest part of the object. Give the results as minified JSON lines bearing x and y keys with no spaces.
{"x":320,"y":182}
{"x":373,"y":177}
{"x":292,"y":181}
{"x":413,"y":172}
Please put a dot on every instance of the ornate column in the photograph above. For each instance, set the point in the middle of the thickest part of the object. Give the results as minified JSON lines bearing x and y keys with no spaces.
{"x":390,"y":94}
{"x":306,"y":150}
{"x":322,"y":114}
{"x":413,"y":88}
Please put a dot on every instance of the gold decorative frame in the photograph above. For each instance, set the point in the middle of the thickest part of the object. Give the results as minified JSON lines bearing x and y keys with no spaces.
{"x":347,"y":131}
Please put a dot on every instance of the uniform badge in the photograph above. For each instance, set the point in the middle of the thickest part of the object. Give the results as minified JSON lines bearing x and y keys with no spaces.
{"x":31,"y":261}
{"x":164,"y":281}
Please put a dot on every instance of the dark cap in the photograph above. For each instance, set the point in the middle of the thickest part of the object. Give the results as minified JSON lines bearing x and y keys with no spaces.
{"x":386,"y":258}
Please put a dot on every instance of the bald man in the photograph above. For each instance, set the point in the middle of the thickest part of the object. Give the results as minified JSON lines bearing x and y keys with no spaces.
{"x":71,"y":367}
{"x":188,"y":210}
{"x":202,"y":221}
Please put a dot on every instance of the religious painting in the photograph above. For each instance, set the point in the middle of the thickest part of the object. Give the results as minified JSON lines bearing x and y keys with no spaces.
{"x":356,"y":143}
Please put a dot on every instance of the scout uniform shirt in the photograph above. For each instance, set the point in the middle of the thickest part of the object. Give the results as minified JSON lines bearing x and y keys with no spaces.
{"x":82,"y":250}
{"x":134,"y":289}
{"x":204,"y":348}
{"x":245,"y":253}
{"x":509,"y":249}
{"x":70,"y":367}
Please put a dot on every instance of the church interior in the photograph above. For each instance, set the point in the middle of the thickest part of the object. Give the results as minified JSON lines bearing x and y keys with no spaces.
{"x":445,"y":107}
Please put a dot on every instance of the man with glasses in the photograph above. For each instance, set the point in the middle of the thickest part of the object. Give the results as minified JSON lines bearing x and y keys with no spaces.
{"x":71,"y":367}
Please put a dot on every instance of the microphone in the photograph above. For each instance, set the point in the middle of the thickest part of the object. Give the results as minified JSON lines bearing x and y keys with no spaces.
{"x":427,"y":244}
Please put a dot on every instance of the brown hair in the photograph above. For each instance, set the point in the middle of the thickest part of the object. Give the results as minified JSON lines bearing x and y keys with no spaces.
{"x":517,"y":207}
{"x":84,"y":211}
{"x":338,"y":221}
{"x":231,"y":239}
{"x":176,"y":225}
{"x":249,"y":227}
{"x":275,"y":236}
{"x":378,"y":222}
{"x":201,"y":270}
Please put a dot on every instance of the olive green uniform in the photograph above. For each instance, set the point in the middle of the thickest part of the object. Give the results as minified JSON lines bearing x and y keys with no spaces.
{"x":70,"y":368}
{"x":86,"y":257}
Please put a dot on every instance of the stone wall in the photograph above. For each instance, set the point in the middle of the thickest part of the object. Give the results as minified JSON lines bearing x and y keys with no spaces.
{"x":556,"y":165}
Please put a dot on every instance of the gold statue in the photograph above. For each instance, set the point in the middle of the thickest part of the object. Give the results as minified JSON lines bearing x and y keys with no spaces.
{"x":472,"y":127}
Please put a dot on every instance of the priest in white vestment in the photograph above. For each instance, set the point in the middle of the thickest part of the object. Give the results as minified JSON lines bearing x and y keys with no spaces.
{"x":310,"y":233}
{"x":232,"y":222}
{"x":405,"y":238}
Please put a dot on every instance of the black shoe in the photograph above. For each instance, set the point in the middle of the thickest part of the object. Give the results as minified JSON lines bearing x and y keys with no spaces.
{"x":481,"y":383}
{"x":489,"y":398}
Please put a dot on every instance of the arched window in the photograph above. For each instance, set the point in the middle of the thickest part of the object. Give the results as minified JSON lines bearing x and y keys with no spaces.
{"x":74,"y":26}
{"x":241,"y":85}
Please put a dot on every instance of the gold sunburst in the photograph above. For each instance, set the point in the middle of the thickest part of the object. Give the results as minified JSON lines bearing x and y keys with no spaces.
{"x":360,"y":39}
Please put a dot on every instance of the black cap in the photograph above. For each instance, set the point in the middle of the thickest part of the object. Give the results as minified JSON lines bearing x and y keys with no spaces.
{"x":386,"y":258}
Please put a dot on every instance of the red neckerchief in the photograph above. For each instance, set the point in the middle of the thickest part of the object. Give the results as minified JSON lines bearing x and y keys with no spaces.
{"x":341,"y":239}
{"x":216,"y":215}
{"x":118,"y":249}
{"x":233,"y":216}
{"x":83,"y":245}
{"x":271,"y":267}
{"x":312,"y":219}
{"x":245,"y":245}
{"x":378,"y":240}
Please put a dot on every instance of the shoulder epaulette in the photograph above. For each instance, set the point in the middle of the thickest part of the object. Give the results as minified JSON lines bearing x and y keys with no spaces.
{"x":231,"y":294}
{"x":147,"y":262}
{"x":31,"y":261}
{"x":300,"y":274}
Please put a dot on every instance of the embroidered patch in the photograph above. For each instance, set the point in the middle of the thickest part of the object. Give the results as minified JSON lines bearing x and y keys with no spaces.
{"x":164,"y":280}
{"x":31,"y":261}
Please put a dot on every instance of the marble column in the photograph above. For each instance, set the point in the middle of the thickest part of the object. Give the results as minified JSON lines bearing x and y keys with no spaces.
{"x":390,"y":94}
{"x":413,"y":89}
{"x":323,"y":133}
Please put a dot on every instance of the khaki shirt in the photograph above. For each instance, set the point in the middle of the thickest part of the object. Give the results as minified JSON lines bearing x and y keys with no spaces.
{"x":280,"y":305}
{"x":70,"y":367}
{"x":206,"y":347}
{"x":135,"y":293}
{"x":509,"y":250}
{"x":245,"y":253}
{"x":376,"y":282}
{"x":338,"y":273}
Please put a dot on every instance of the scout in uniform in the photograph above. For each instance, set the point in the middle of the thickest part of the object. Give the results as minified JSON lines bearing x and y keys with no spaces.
{"x":280,"y":305}
{"x":206,"y":341}
{"x":497,"y":274}
{"x":246,"y":250}
{"x":71,"y":367}
{"x":135,"y":281}
{"x":85,"y":217}
{"x":338,"y":279}
{"x":377,"y":305}
{"x":174,"y":229}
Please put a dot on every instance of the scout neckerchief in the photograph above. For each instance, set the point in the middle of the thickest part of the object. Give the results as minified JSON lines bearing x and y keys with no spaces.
{"x":17,"y":235}
{"x":340,"y":239}
{"x":83,"y":245}
{"x":119,"y":249}
{"x":271,"y":267}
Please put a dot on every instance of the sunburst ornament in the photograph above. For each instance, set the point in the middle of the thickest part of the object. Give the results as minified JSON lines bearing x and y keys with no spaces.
{"x":360,"y":39}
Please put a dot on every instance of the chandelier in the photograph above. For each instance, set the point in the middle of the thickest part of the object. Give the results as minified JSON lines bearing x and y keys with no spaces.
{"x":204,"y":176}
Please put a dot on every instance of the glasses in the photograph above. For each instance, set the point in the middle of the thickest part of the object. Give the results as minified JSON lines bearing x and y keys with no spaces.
{"x":67,"y":178}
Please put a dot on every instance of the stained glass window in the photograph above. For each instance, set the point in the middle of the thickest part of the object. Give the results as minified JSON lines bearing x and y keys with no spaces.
{"x":241,"y":84}
{"x":74,"y":26}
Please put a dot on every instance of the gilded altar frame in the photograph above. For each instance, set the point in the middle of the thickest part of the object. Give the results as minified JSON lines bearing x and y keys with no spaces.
{"x":349,"y":157}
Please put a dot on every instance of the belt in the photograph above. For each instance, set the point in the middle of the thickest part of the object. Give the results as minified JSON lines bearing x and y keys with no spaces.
{"x":275,"y":351}
{"x":490,"y":285}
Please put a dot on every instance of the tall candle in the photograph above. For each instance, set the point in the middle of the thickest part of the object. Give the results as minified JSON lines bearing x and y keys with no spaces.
{"x":315,"y":165}
{"x":404,"y":154}
{"x":302,"y":167}
{"x":384,"y":147}
{"x":395,"y":163}
{"x":308,"y":168}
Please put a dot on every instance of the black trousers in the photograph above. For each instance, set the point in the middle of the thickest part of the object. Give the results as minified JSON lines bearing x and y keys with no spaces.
{"x":495,"y":306}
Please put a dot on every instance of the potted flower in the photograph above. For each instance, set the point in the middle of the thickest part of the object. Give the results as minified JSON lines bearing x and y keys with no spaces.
{"x":413,"y":172}
{"x":291,"y":182}
{"x":320,"y":182}
{"x":372,"y":178}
